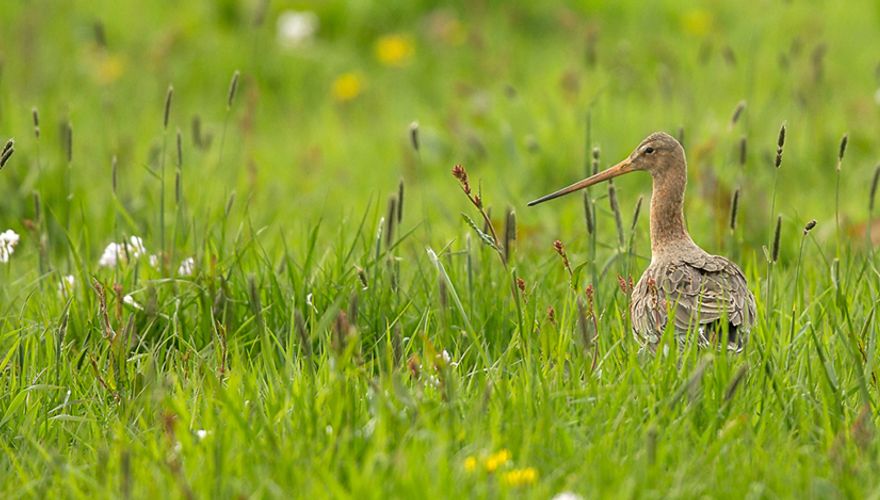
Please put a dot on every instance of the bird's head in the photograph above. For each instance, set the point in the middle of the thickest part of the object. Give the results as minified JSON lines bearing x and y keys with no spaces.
{"x":656,"y":154}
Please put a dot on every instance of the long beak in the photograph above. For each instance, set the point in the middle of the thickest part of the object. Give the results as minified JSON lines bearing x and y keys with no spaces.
{"x":621,"y":168}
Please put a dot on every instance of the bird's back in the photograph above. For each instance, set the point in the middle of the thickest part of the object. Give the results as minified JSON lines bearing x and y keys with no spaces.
{"x":707,"y":295}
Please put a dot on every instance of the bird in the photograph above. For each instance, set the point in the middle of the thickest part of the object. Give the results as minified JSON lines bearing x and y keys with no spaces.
{"x":704,"y":295}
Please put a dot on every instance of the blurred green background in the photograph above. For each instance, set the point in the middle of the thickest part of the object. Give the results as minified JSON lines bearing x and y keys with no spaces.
{"x":320,"y":123}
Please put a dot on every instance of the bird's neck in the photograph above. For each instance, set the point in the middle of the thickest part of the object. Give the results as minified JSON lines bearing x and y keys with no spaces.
{"x":668,"y":231}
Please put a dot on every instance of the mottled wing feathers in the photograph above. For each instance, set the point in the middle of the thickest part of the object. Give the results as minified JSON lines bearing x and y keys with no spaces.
{"x":700,"y":290}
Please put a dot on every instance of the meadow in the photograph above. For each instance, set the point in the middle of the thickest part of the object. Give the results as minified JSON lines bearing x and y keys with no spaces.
{"x":235,"y":261}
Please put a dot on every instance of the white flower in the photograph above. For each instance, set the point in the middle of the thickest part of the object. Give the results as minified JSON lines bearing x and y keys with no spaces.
{"x":567,"y":495}
{"x":296,"y":28}
{"x":122,"y":252}
{"x":128,"y":299}
{"x":154,"y":261}
{"x":8,"y":240}
{"x":65,"y":286}
{"x":447,"y":358}
{"x":309,"y":303}
{"x":201,"y":434}
{"x":187,"y":267}
{"x":108,"y":258}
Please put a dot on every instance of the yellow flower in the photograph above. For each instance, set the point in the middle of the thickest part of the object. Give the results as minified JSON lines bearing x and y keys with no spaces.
{"x":496,"y":460}
{"x":470,"y":464}
{"x":110,"y":69}
{"x":394,"y":49}
{"x":347,"y":87}
{"x":697,"y":22}
{"x":520,"y":477}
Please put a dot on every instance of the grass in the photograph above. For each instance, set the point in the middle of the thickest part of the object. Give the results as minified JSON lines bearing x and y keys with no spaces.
{"x":328,"y":346}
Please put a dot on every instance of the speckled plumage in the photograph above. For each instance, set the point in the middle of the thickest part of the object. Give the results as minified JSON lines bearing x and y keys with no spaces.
{"x":698,"y":290}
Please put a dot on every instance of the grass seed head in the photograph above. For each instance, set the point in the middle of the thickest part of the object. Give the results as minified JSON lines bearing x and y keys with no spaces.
{"x":780,"y":144}
{"x":588,"y":212}
{"x":595,"y":160}
{"x":842,"y":151}
{"x":400,"y":202}
{"x":6,"y":155}
{"x":391,"y":216}
{"x":809,"y":226}
{"x":233,"y":89}
{"x":196,"y":129}
{"x":362,"y":277}
{"x":461,"y":174}
{"x":737,"y":113}
{"x":615,"y":209}
{"x":179,"y":148}
{"x":36,"y":116}
{"x":560,"y":249}
{"x":6,"y":152}
{"x":636,"y":213}
{"x":169,"y":96}
{"x":734,"y":207}
{"x":743,"y":150}
{"x":509,"y":232}
{"x":414,"y":135}
{"x":551,"y":315}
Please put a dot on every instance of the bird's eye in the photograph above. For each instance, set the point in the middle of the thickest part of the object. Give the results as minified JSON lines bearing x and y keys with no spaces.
{"x":649,"y":150}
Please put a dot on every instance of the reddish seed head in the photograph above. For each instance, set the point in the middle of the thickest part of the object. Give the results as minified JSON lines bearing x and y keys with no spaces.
{"x":461,"y":174}
{"x":560,"y":248}
{"x":521,"y":284}
{"x":414,"y":366}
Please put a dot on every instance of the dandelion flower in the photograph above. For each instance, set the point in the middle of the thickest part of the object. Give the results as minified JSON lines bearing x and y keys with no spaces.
{"x":520,"y":477}
{"x":394,"y":50}
{"x":347,"y":87}
{"x":187,"y":267}
{"x":470,"y":463}
{"x":296,"y":28}
{"x":8,"y":241}
{"x":697,"y":22}
{"x":110,"y":68}
{"x":496,"y":460}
